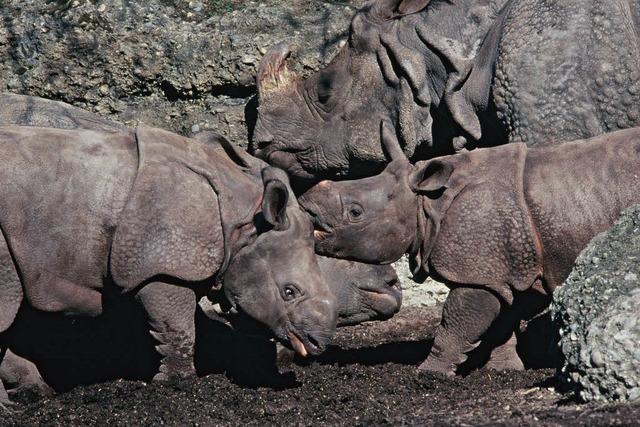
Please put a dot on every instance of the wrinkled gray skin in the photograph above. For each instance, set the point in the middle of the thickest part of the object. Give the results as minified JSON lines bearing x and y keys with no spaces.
{"x":448,"y":75}
{"x":363,"y":292}
{"x":160,"y":216}
{"x":501,"y":226}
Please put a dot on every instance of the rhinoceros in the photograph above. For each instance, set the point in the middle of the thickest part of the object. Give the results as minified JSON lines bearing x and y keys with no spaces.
{"x":500,"y":226}
{"x":448,"y":75}
{"x":165,"y":218}
{"x":364,"y":292}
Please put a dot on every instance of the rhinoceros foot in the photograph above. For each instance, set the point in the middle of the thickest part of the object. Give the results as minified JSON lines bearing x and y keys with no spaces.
{"x":23,"y":375}
{"x":434,"y":364}
{"x":505,"y":357}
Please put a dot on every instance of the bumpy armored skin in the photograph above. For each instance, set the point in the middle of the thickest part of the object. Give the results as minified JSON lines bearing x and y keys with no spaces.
{"x":364,"y":292}
{"x":502,"y":226}
{"x":159,"y":216}
{"x":448,"y":75}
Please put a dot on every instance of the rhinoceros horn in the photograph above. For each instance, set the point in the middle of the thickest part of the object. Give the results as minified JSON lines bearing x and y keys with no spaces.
{"x":273,"y":74}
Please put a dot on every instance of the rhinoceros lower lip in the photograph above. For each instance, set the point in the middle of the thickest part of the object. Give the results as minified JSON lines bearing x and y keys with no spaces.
{"x":390,"y":290}
{"x":297,"y":344}
{"x":287,"y":160}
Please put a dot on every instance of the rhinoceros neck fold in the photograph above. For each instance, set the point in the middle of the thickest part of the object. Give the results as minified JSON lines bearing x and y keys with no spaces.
{"x":237,"y":188}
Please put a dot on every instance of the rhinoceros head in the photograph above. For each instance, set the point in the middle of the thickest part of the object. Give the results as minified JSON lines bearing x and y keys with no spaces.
{"x":364,"y":291}
{"x":327,"y":125}
{"x":375,"y":219}
{"x":276,"y":281}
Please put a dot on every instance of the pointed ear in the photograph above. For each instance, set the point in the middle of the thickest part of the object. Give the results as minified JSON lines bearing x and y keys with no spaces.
{"x":274,"y":204}
{"x":431,"y":176}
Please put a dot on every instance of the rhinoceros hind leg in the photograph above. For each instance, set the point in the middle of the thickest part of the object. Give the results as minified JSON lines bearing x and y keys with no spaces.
{"x":4,"y":396}
{"x":466,"y":315}
{"x":22,"y":375}
{"x":171,"y":311}
{"x":11,"y":294}
{"x":505,"y":357}
{"x":5,"y":403}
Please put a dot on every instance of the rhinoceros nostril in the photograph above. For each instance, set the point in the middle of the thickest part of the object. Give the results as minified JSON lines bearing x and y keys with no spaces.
{"x":394,"y":284}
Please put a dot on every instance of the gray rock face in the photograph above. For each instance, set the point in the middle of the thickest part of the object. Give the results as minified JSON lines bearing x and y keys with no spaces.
{"x":428,"y":294}
{"x":598,"y":314}
{"x":180,"y":65}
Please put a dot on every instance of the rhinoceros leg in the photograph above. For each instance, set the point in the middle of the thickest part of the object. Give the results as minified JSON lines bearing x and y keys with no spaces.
{"x":23,"y":375}
{"x":505,"y":357}
{"x":466,"y":315}
{"x":171,"y":311}
{"x":11,"y":294}
{"x":4,"y":399}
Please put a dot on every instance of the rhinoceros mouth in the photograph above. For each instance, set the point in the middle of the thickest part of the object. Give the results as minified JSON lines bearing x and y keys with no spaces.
{"x":320,"y":228}
{"x":303,"y":346}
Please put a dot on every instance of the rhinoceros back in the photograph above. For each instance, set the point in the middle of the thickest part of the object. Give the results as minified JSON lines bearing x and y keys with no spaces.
{"x":61,"y":193}
{"x":568,"y":70}
{"x":578,"y":189}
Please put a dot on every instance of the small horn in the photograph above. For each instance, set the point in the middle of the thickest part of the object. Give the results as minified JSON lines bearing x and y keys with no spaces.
{"x":272,"y":71}
{"x":390,"y":143}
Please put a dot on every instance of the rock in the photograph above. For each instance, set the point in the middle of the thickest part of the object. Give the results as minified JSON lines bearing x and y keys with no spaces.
{"x":427,"y":294}
{"x":142,"y":61}
{"x":597,"y":311}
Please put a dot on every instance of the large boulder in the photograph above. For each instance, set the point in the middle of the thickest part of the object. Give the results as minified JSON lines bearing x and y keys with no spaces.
{"x":597,"y":311}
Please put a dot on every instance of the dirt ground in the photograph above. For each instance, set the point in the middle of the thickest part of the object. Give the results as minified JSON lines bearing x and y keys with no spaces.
{"x":368,"y":377}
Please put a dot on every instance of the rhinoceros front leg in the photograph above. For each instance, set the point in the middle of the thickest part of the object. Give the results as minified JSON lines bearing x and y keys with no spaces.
{"x":22,"y":374}
{"x":466,"y":315}
{"x":171,"y":311}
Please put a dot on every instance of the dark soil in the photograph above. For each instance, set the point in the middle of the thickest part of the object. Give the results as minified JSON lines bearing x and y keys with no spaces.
{"x":368,"y":377}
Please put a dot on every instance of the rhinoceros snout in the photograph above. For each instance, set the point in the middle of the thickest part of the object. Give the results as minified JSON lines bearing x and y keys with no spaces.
{"x":315,"y":326}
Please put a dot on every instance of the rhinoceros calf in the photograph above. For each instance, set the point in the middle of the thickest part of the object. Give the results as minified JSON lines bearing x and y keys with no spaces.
{"x":502,"y":226}
{"x":163,"y":217}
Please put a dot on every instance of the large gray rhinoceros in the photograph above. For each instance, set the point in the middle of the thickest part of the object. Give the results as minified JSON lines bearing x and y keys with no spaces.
{"x":448,"y":75}
{"x":500,"y":226}
{"x":162,"y":217}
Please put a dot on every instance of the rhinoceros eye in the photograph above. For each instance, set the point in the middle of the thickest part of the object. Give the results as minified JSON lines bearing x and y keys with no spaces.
{"x":290,"y":292}
{"x":355,"y":212}
{"x":324,"y":89}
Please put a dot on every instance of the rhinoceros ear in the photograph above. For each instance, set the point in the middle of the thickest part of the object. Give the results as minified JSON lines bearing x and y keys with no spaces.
{"x":430,"y":177}
{"x":389,"y":9}
{"x":274,"y":201}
